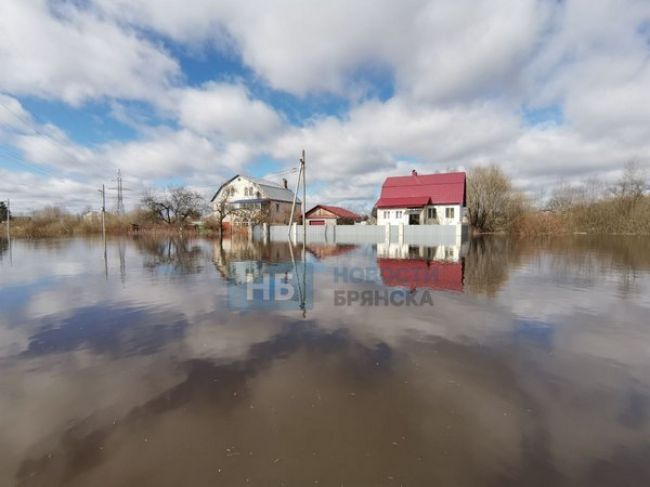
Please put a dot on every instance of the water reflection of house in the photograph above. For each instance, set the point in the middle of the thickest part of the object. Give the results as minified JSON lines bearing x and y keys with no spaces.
{"x":322,"y":251}
{"x":416,"y":267}
{"x":450,"y":253}
{"x":242,"y":260}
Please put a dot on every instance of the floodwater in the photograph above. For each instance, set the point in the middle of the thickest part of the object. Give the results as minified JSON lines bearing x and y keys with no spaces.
{"x":530,"y":368}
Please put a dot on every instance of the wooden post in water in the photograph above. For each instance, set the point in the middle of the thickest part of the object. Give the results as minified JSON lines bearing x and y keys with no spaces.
{"x":9,"y":221}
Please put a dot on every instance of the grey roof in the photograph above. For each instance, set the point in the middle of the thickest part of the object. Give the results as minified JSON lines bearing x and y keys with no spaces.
{"x":273,"y":191}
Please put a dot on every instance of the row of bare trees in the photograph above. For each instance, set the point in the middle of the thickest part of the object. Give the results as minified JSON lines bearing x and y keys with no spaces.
{"x":494,"y":204}
{"x":177,"y":206}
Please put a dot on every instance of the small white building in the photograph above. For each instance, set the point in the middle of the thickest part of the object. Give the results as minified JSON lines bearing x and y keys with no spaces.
{"x":427,"y":199}
{"x":251,"y":199}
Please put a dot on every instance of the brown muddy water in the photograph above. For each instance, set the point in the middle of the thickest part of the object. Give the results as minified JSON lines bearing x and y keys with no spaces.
{"x":531,"y":368}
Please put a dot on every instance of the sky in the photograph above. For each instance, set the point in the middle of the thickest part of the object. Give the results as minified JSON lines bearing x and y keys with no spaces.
{"x":191,"y":92}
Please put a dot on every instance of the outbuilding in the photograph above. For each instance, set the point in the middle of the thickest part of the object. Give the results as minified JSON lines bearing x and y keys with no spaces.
{"x":331,"y":215}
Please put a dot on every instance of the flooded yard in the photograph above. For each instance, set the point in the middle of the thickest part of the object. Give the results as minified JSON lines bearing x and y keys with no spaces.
{"x":528,"y":363}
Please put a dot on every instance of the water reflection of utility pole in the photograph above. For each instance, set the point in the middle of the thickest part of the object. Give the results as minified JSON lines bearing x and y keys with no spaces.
{"x":103,"y":193}
{"x":122,"y":251}
{"x":295,"y":270}
{"x":304,"y":271}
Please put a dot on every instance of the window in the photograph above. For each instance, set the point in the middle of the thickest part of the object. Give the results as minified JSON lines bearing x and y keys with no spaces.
{"x":277,"y":207}
{"x":431,"y":213}
{"x":245,"y":191}
{"x":387,"y":214}
{"x":398,"y":214}
{"x":449,"y":213}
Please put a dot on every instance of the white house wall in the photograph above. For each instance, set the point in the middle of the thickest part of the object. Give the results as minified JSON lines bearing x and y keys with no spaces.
{"x":397,"y":216}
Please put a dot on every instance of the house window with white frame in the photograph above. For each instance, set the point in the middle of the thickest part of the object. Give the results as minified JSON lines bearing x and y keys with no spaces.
{"x":431,"y":213}
{"x":449,"y":213}
{"x":398,"y":214}
{"x":387,"y":214}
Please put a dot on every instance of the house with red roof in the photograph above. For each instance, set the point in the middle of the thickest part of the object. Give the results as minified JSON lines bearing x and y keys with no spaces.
{"x":423,"y":199}
{"x":331,"y":215}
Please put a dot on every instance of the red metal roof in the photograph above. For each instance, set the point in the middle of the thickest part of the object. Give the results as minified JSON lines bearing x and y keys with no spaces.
{"x":337,"y":210}
{"x":419,"y":190}
{"x":416,"y":273}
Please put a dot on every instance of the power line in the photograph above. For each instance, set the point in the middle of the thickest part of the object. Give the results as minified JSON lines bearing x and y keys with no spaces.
{"x":13,"y":158}
{"x":29,"y":124}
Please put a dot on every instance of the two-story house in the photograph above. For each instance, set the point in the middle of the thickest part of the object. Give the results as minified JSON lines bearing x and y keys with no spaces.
{"x":423,"y":199}
{"x":250,"y":199}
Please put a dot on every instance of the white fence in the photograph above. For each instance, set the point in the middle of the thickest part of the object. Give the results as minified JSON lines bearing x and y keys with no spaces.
{"x":369,"y":234}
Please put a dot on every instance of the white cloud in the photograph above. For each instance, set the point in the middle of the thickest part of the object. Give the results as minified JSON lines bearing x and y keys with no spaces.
{"x":225,"y":111}
{"x":29,"y":191}
{"x":62,"y":51}
{"x":436,"y":49}
{"x":12,"y":114}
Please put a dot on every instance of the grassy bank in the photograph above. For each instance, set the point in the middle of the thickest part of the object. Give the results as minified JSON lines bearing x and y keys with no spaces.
{"x":57,"y":224}
{"x":611,"y":216}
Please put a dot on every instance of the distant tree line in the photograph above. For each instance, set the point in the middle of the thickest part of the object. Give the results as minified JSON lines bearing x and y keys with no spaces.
{"x":495,"y":205}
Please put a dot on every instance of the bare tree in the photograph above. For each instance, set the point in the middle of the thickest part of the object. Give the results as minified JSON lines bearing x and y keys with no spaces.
{"x":221,"y":210}
{"x":565,"y":197}
{"x":492,"y":203}
{"x":4,"y":213}
{"x":633,"y":182}
{"x":174,"y":205}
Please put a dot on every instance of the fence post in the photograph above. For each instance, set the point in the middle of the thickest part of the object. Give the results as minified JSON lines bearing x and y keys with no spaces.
{"x":265,"y":233}
{"x":294,"y":232}
{"x":400,"y":234}
{"x":387,"y":233}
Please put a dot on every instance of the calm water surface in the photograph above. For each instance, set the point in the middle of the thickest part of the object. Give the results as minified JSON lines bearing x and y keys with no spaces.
{"x":532,"y":367}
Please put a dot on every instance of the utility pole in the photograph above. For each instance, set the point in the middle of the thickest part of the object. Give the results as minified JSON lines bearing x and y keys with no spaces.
{"x":301,"y":177}
{"x":120,"y":196}
{"x":304,"y":200}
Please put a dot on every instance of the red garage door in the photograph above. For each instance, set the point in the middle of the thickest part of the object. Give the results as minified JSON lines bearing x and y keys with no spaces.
{"x":317,"y":222}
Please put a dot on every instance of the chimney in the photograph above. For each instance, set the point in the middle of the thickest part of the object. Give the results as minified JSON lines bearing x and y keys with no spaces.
{"x":284,"y":181}
{"x":414,"y":172}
